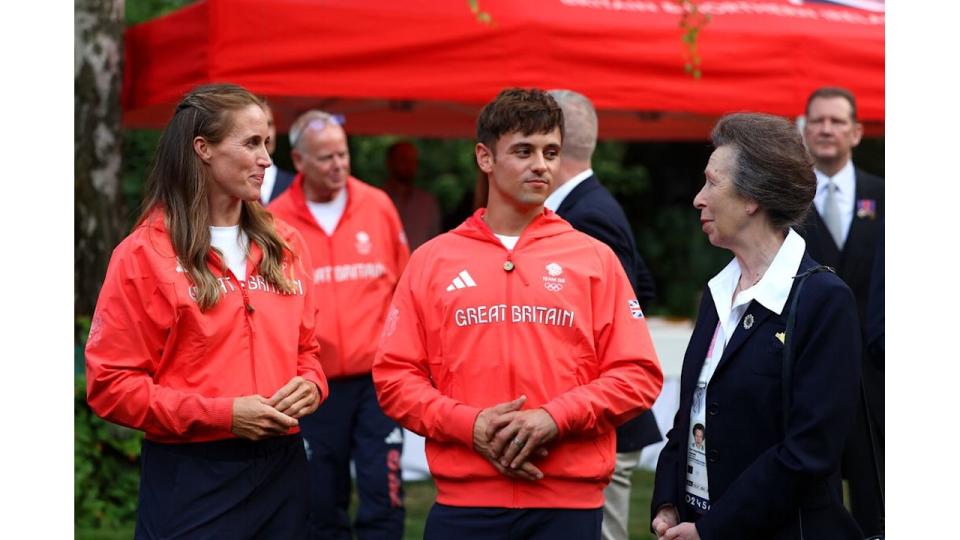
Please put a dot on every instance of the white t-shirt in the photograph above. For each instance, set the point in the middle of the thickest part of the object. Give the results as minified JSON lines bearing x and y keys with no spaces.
{"x":508,"y":242}
{"x":771,"y":291}
{"x":232,"y":243}
{"x":328,"y":214}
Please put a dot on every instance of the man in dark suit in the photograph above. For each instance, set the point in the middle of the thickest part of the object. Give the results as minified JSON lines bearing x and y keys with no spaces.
{"x":581,"y":200}
{"x":844,"y":233}
{"x":275,"y":179}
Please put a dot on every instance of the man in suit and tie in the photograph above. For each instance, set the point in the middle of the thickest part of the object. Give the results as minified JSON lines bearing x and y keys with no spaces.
{"x":843,"y":233}
{"x":589,"y":207}
{"x":275,"y":179}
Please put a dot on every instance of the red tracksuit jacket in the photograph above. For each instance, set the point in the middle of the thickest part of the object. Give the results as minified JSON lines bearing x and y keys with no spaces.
{"x":155,"y":362}
{"x":355,"y":271}
{"x":473,"y":325}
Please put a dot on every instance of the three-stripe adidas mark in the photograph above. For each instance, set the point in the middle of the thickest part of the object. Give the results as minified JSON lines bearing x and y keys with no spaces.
{"x":462,"y":281}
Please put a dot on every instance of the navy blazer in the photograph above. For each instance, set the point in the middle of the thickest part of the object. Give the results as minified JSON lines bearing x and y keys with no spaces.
{"x":590,"y":208}
{"x":761,"y":480}
{"x":854,"y":263}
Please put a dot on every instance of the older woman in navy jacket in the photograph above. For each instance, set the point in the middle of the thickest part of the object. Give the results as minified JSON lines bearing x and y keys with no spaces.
{"x":753,"y":470}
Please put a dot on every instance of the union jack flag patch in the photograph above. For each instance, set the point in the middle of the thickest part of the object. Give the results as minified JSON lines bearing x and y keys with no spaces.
{"x":867,"y":208}
{"x":635,"y":309}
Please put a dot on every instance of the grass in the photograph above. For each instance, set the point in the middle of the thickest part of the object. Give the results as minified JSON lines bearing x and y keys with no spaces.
{"x":419,"y":497}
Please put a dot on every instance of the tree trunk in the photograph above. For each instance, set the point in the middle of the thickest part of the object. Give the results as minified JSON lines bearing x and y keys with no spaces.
{"x":98,"y":212}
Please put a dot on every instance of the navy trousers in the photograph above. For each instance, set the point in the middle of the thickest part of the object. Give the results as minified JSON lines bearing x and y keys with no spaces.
{"x":468,"y":523}
{"x":351,"y":425}
{"x":234,"y":488}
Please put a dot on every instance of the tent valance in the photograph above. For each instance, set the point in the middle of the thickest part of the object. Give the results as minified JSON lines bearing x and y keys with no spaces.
{"x":424,"y":68}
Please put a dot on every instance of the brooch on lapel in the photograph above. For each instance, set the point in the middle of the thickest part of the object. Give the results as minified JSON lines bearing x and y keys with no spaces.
{"x":748,"y":321}
{"x":867,"y":208}
{"x":782,"y":336}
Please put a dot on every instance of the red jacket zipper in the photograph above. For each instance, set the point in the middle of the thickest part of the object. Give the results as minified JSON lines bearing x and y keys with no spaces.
{"x":248,"y":314}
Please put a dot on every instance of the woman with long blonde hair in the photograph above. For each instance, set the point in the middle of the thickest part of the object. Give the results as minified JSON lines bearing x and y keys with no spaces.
{"x":203,"y":335}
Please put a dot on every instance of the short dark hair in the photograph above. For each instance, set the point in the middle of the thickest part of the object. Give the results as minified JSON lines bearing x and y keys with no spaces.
{"x":833,"y":92}
{"x":700,"y":427}
{"x":517,"y":109}
{"x":772,"y":168}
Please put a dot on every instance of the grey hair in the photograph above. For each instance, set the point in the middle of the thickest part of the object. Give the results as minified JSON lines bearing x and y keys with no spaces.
{"x":579,"y":124}
{"x":305,"y":122}
{"x":773,"y":167}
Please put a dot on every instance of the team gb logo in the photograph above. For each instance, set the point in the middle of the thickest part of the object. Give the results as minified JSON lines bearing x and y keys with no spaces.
{"x":553,"y":282}
{"x":364,"y":247}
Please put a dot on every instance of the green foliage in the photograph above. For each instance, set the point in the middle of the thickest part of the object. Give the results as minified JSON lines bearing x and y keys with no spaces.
{"x":106,"y":468}
{"x":446,"y":166}
{"x":624,"y":180}
{"x":482,"y":16}
{"x":691,"y":22}
{"x":139,"y":147}
{"x":139,"y":11}
{"x":106,"y":458}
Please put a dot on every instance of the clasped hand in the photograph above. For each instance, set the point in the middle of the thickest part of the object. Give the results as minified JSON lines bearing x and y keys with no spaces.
{"x":256,"y":417}
{"x":509,"y":438}
{"x":668,"y":527}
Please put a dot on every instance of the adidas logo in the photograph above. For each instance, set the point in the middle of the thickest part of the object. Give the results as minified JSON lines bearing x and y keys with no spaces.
{"x":395,"y":437}
{"x":462,"y":281}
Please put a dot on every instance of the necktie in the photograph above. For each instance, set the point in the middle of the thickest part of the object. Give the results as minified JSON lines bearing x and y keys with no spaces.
{"x":831,"y":214}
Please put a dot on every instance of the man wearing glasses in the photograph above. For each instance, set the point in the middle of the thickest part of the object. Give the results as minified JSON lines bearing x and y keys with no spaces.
{"x":357,"y":250}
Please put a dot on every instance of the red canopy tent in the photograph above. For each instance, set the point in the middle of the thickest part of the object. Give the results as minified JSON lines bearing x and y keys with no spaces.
{"x":424,"y":68}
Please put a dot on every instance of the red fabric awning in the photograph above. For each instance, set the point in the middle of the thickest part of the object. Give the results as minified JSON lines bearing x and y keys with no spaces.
{"x":424,"y":68}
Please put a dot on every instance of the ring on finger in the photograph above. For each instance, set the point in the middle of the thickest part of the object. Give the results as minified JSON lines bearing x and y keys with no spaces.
{"x":517,"y":442}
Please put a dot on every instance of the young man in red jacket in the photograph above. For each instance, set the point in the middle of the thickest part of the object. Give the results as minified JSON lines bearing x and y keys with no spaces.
{"x":358,"y":250}
{"x":516,"y":346}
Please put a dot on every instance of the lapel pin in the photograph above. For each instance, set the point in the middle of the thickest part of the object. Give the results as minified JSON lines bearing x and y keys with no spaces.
{"x":782,"y":336}
{"x":867,"y":208}
{"x":748,"y":321}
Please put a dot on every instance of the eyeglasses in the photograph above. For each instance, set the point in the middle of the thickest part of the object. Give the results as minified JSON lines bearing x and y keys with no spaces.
{"x":319,"y":124}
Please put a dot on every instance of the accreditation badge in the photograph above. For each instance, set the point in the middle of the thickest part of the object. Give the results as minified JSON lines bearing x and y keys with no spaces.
{"x":697,"y":495}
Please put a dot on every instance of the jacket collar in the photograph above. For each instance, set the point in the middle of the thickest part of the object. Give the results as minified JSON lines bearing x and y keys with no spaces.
{"x":774,"y":287}
{"x":354,"y":189}
{"x":156,"y":221}
{"x":547,"y":223}
{"x":764,"y":299}
{"x":556,"y":199}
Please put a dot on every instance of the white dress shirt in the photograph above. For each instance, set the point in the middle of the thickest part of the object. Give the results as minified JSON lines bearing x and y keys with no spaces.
{"x":269,"y":179}
{"x":556,"y":198}
{"x":846,"y":182}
